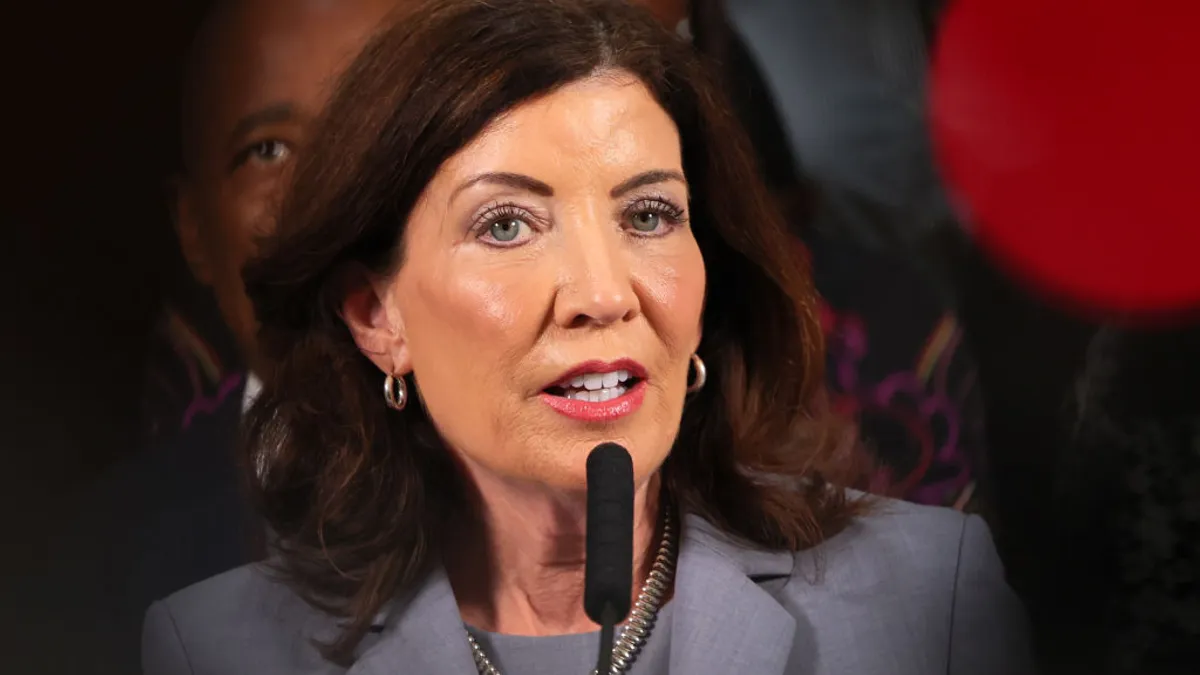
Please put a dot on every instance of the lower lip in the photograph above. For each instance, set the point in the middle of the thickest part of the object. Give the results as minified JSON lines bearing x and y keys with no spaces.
{"x":587,"y":411}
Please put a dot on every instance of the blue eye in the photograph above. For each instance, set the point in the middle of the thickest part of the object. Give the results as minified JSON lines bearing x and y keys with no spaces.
{"x":645,"y":221}
{"x":654,"y":217}
{"x":504,"y":225}
{"x":505,"y":230}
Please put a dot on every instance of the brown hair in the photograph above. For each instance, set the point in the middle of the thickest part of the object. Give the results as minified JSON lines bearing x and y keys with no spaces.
{"x":356,"y":493}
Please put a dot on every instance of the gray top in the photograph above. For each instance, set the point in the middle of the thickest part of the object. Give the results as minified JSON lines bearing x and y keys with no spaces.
{"x":572,"y":654}
{"x":909,"y":590}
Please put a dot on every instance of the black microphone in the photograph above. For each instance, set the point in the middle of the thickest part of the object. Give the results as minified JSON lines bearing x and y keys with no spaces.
{"x":608,"y":572}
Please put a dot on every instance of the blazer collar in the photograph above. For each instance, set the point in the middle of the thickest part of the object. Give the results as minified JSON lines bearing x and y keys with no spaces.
{"x":423,"y":635}
{"x":722,"y":622}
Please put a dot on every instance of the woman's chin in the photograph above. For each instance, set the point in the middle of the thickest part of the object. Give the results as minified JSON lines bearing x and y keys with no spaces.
{"x":571,"y":475}
{"x":555,"y":457}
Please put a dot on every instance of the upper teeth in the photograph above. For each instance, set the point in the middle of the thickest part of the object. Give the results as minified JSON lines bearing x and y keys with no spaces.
{"x":594,"y":381}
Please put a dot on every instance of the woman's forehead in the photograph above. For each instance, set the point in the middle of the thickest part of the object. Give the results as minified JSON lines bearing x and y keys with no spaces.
{"x":589,"y":125}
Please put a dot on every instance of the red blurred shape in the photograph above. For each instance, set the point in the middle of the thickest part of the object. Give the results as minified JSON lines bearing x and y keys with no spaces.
{"x":1070,"y":130}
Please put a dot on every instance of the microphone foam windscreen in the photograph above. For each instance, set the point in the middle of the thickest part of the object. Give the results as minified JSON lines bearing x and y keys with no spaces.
{"x":608,"y":576}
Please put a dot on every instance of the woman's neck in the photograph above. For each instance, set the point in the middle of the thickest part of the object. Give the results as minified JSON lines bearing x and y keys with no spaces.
{"x":517,"y":567}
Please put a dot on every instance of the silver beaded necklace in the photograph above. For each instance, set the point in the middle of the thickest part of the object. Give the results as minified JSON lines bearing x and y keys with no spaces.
{"x":641,"y":618}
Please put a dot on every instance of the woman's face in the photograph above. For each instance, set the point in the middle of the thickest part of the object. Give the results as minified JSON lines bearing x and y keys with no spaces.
{"x":551,"y":293}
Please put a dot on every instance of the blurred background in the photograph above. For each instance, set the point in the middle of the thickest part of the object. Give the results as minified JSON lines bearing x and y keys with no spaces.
{"x":89,"y":255}
{"x":1071,"y":427}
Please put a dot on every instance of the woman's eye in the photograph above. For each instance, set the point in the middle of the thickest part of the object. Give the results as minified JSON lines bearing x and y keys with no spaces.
{"x":506,"y":230}
{"x":653,"y":217}
{"x":645,"y":221}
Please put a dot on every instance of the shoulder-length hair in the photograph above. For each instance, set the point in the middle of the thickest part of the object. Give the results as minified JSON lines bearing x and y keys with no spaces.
{"x":355,"y":493}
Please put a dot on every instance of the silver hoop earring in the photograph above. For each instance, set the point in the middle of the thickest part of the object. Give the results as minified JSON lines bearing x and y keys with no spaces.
{"x":701,"y":375}
{"x":395,"y":392}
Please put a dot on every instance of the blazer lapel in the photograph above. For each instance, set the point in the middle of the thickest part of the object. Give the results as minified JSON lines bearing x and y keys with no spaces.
{"x":425,"y":637}
{"x":723,"y":621}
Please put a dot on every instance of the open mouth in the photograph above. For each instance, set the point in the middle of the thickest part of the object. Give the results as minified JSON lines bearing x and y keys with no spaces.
{"x":596,"y":387}
{"x":598,"y":391}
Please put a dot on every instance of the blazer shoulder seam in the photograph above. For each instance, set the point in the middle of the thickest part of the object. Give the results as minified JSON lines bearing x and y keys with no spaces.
{"x":962,"y":538}
{"x":178,"y":636}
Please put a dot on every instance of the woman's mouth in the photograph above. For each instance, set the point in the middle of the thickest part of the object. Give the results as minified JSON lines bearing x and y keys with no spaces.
{"x":596,"y":387}
{"x":597,"y":392}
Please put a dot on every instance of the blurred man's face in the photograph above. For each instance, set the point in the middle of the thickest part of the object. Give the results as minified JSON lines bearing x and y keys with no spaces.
{"x":269,"y":69}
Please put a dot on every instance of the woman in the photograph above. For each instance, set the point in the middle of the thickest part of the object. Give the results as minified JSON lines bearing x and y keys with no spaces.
{"x":533,"y":227}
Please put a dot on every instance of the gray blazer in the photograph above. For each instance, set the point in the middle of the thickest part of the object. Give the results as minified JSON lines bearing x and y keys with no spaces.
{"x":910,"y":590}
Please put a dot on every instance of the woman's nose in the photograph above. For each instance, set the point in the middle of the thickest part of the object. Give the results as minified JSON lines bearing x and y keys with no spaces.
{"x":596,"y":286}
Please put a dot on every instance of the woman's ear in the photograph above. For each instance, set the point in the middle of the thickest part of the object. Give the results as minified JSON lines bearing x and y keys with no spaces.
{"x":374,"y":321}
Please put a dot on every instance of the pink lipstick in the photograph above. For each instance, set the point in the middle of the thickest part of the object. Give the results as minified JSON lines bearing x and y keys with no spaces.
{"x":598,"y":391}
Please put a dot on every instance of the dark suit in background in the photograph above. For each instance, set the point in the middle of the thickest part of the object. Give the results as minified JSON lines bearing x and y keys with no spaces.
{"x":167,"y":518}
